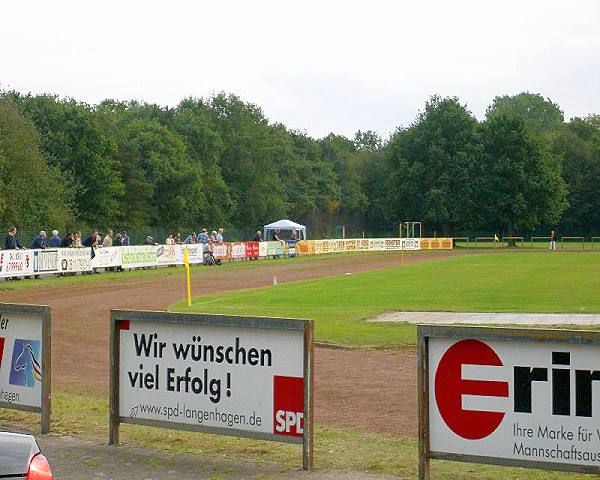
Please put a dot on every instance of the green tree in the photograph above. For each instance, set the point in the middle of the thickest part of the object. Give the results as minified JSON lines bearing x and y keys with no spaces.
{"x":33,"y":194}
{"x":522,"y":186}
{"x":578,"y":147}
{"x":435,"y":168}
{"x":153,"y":154}
{"x":72,"y":139}
{"x":540,"y":115}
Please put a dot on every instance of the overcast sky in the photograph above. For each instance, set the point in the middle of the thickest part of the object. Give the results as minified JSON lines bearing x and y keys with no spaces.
{"x":318,"y":66}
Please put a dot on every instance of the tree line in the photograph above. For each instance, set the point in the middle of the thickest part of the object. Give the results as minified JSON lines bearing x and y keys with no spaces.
{"x":219,"y":161}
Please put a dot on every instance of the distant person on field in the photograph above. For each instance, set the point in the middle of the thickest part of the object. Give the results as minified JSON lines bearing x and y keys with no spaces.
{"x":67,"y":241}
{"x":40,"y":241}
{"x":220,"y":237}
{"x":258,"y":236}
{"x":11,"y":242}
{"x":54,"y":241}
{"x":552,"y":240}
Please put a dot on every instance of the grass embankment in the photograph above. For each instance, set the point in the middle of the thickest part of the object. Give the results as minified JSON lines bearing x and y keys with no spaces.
{"x":532,"y":282}
{"x":339,"y":449}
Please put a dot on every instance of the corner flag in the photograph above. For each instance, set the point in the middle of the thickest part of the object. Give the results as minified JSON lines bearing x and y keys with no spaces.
{"x":186,"y":262}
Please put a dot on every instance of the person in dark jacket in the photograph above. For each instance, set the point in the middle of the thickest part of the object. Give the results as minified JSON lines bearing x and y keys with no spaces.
{"x":40,"y":241}
{"x":11,"y":242}
{"x":67,"y":242}
{"x":54,"y":241}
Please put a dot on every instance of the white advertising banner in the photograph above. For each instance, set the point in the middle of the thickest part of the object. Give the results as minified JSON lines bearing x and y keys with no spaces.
{"x":20,"y":359}
{"x":105,"y":257}
{"x":167,"y":254}
{"x":528,"y":401}
{"x":263,"y":248}
{"x":238,"y":250}
{"x":195,"y":252}
{"x":16,"y":263}
{"x":45,"y":261}
{"x":243,"y":377}
{"x":139,"y":256}
{"x":73,"y":260}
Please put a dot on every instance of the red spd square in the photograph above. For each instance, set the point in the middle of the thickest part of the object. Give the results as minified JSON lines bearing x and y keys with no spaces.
{"x":288,"y":406}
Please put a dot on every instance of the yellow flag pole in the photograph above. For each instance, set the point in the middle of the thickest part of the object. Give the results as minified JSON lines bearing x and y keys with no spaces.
{"x":186,"y":262}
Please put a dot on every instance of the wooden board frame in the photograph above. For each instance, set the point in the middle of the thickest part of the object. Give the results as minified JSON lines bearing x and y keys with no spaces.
{"x":44,"y":313}
{"x":307,"y":326}
{"x":425,"y":332}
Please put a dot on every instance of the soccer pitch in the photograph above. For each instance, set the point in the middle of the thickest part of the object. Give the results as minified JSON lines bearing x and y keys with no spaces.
{"x":532,"y":282}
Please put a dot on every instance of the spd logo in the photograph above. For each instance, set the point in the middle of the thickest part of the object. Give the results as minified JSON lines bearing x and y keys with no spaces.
{"x":288,"y":406}
{"x":25,"y":368}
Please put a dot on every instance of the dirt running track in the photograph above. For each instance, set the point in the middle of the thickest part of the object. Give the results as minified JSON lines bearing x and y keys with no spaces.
{"x":353,"y":388}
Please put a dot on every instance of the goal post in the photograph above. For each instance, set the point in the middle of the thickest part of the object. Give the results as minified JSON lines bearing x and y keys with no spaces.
{"x":411,"y":229}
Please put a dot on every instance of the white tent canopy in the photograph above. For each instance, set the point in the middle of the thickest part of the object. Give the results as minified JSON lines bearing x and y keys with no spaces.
{"x":285,"y":226}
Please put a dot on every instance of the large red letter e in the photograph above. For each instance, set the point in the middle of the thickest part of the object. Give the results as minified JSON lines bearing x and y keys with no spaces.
{"x":450,"y":387}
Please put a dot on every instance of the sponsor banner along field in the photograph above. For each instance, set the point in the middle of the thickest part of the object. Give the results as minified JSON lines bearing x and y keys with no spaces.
{"x":18,"y":263}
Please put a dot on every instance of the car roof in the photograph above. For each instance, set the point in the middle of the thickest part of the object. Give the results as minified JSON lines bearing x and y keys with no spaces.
{"x":16,"y":451}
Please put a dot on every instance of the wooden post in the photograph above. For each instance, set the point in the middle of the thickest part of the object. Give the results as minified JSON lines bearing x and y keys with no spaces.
{"x":423,"y":401}
{"x":47,"y":370}
{"x":115,"y":338}
{"x":309,"y":432}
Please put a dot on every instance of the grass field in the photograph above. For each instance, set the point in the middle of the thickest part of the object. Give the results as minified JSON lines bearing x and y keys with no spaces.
{"x":533,"y":282}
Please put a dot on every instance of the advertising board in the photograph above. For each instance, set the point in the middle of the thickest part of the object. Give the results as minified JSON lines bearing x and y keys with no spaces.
{"x":45,"y":261}
{"x":16,"y":263}
{"x":25,"y":359}
{"x":516,"y":397}
{"x":72,"y":260}
{"x":249,"y":377}
{"x":140,"y":256}
{"x":238,"y":250}
{"x":106,"y":257}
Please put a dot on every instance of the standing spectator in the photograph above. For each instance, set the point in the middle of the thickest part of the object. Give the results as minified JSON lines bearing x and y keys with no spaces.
{"x":149,"y":241}
{"x":276,"y":236}
{"x":203,"y":237}
{"x":552,"y":240}
{"x":77,"y":239}
{"x":40,"y":241}
{"x":191,"y":238}
{"x":220,"y":237}
{"x":213,"y":236}
{"x":11,"y":242}
{"x":92,"y":240}
{"x":258,"y":236}
{"x":169,"y":240}
{"x":67,"y":241}
{"x":118,"y":242}
{"x":108,"y":240}
{"x":54,"y":241}
{"x":125,"y":239}
{"x":178,"y":239}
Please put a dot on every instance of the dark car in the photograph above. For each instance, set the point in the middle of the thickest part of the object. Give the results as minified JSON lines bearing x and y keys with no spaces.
{"x":20,"y":458}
